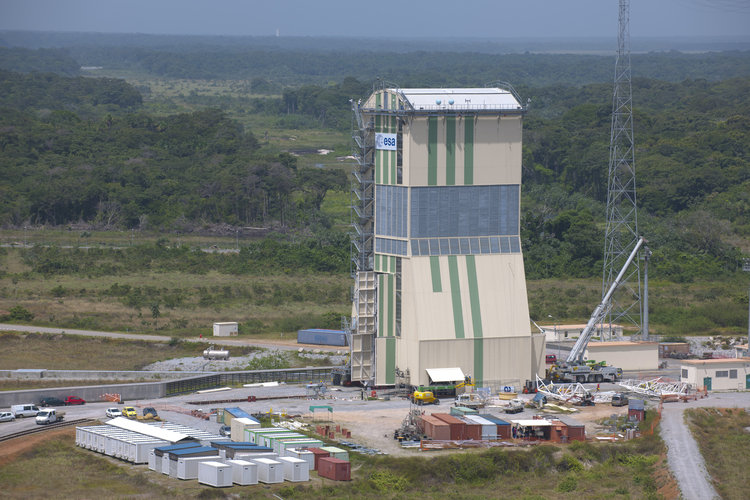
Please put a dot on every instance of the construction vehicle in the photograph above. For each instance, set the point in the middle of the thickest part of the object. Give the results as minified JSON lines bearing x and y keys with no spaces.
{"x":574,"y":368}
{"x":424,"y":398}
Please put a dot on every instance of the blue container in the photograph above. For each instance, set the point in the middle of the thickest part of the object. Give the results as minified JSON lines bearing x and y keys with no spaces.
{"x":319,"y":336}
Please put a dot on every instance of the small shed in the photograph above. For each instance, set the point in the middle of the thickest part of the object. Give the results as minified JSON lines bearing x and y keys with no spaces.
{"x":532,"y":429}
{"x":226,"y":329}
{"x":565,"y":430}
{"x":636,"y":410}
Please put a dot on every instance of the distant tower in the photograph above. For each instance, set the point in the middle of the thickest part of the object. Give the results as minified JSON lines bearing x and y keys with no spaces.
{"x":622,"y":222}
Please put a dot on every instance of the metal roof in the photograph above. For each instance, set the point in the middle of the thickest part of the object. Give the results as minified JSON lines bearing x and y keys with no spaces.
{"x":466,"y":99}
{"x":532,"y":423}
{"x":445,"y":374}
{"x":148,"y":430}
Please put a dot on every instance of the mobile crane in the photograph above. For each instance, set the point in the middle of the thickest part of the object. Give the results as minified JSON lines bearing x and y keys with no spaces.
{"x":574,"y":368}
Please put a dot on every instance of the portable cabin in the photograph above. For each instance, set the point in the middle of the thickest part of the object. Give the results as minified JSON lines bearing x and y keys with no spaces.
{"x":295,"y":470}
{"x":244,"y":472}
{"x":216,"y":474}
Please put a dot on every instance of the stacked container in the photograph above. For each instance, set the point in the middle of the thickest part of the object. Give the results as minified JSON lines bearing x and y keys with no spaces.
{"x":318,"y":455}
{"x":457,"y":427}
{"x":336,"y":452}
{"x":302,"y":454}
{"x":489,"y":429}
{"x":435,"y":428}
{"x":503,"y":427}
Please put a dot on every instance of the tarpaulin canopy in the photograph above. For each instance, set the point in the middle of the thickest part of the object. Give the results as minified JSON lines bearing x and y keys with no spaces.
{"x":445,"y":374}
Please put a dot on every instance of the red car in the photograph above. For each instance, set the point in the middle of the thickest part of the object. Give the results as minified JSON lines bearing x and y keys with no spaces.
{"x":74,"y":400}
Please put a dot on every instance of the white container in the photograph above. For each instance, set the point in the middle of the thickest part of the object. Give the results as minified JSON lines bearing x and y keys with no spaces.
{"x":252,"y":455}
{"x":240,"y":424}
{"x":283,"y":445}
{"x":216,"y":474}
{"x":295,"y":469}
{"x":489,"y":429}
{"x":243,"y":472}
{"x":187,"y":468}
{"x":305,"y":455}
{"x":269,"y":471}
{"x":152,"y":461}
{"x":226,"y":329}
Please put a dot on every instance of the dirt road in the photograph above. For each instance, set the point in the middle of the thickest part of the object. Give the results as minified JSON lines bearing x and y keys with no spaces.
{"x":683,"y":455}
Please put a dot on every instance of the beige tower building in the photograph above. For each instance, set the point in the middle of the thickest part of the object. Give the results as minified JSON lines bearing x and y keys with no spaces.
{"x":440,"y":280}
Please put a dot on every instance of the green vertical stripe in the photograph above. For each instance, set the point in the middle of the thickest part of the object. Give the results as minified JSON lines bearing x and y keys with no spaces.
{"x":381,"y":305}
{"x":390,"y":361}
{"x":391,"y":308}
{"x":478,"y":361}
{"x":458,"y":315}
{"x":437,"y":285}
{"x":393,"y":263}
{"x":476,"y":313}
{"x":378,"y":153}
{"x":432,"y":134}
{"x":384,"y":157}
{"x":450,"y":151}
{"x":469,"y":150}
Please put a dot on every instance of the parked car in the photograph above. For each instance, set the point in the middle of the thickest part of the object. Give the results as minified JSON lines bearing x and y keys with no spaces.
{"x":150,"y":411}
{"x":225,"y":430}
{"x":24,"y":410}
{"x":129,"y":412}
{"x":619,"y":399}
{"x":74,"y":400}
{"x":7,"y":416}
{"x":113,"y":412}
{"x":52,"y":401}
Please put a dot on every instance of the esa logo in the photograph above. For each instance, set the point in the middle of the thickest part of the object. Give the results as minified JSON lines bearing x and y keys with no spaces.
{"x":385,"y":141}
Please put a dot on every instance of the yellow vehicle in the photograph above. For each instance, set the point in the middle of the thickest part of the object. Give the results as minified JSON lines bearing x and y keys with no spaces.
{"x":129,"y":412}
{"x":424,"y":398}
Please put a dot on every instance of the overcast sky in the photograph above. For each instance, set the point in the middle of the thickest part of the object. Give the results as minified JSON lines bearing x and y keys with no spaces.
{"x":410,"y":18}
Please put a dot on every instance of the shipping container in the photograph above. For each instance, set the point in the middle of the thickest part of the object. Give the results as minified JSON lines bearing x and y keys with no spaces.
{"x":489,"y":428}
{"x":244,"y":472}
{"x":503,"y":427}
{"x":334,"y":468}
{"x":318,"y":336}
{"x":216,"y":474}
{"x":295,"y":469}
{"x":473,"y":429}
{"x":269,"y":471}
{"x":460,"y":411}
{"x":457,"y":427}
{"x":319,"y":453}
{"x":434,"y":428}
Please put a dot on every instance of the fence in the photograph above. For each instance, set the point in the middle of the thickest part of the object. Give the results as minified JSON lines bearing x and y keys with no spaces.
{"x":289,"y":376}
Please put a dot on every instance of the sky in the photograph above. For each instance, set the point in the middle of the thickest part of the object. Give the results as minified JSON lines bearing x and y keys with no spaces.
{"x":410,"y":18}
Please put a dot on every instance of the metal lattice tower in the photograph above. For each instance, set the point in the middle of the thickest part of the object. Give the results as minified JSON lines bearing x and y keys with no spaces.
{"x":621,"y":232}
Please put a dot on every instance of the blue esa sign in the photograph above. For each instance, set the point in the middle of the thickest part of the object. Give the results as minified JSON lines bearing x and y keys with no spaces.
{"x":385,"y":141}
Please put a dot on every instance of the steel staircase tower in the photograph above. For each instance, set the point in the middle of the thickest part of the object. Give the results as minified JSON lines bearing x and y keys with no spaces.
{"x":621,"y":233}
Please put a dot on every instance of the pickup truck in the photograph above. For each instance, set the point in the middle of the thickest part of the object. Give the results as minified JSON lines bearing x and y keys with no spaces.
{"x":49,"y":417}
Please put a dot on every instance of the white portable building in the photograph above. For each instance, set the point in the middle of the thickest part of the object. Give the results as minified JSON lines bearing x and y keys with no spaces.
{"x":250,"y":455}
{"x":216,"y":474}
{"x":239,"y":425}
{"x":302,"y":454}
{"x":295,"y":469}
{"x":187,"y":468}
{"x":243,"y":472}
{"x":226,"y":329}
{"x":269,"y":471}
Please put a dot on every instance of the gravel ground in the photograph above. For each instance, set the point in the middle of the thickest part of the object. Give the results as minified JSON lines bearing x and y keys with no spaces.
{"x":198,"y":363}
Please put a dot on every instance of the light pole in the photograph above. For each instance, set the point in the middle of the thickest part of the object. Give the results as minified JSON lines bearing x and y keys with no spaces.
{"x":557,"y":340}
{"x":646,"y":257}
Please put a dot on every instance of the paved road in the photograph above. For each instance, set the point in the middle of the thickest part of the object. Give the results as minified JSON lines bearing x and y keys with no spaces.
{"x":685,"y":460}
{"x":236,"y":341}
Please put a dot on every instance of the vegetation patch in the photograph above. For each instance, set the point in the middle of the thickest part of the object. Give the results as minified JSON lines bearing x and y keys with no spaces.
{"x":724,"y":441}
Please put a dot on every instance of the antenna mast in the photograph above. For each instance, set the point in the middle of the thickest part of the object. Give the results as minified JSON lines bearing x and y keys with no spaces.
{"x":621,"y":232}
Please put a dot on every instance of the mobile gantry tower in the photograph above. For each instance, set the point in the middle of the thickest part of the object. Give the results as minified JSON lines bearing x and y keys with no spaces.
{"x":439,"y":279}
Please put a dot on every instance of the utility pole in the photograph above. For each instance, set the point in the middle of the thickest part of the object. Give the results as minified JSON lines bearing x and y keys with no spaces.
{"x":746,"y":268}
{"x":621,"y":233}
{"x":646,"y":258}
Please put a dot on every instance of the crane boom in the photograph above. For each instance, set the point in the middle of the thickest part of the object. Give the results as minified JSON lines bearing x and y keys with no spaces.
{"x":576,"y":354}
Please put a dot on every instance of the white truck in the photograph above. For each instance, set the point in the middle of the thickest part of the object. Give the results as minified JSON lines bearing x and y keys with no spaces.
{"x":49,"y":416}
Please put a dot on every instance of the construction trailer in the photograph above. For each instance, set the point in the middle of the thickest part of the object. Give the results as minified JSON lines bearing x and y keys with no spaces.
{"x":439,"y":273}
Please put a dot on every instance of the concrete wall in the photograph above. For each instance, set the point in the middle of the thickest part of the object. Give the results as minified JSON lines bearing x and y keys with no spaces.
{"x":629,"y":356}
{"x":98,"y":375}
{"x":92,"y":394}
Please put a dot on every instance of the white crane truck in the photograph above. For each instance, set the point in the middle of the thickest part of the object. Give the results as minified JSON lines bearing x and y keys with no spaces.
{"x":574,"y":368}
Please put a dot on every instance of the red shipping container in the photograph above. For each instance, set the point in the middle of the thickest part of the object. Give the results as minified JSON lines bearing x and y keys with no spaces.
{"x":335,"y":468}
{"x":435,"y":428}
{"x":473,"y":430}
{"x":457,"y":427}
{"x":318,"y":455}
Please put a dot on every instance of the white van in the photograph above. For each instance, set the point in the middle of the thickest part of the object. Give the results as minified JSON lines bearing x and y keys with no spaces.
{"x":24,"y":410}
